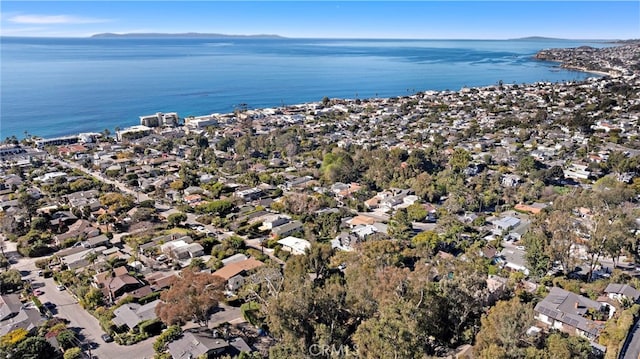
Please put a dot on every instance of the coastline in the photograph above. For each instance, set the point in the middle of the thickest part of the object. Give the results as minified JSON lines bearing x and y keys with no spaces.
{"x":562,"y":65}
{"x":585,"y":70}
{"x":193,"y":101}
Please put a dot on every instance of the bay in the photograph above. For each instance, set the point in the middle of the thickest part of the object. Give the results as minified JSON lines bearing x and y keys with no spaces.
{"x":58,"y":86}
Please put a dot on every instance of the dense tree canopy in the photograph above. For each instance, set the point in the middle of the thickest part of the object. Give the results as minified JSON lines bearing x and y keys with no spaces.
{"x":190,"y":298}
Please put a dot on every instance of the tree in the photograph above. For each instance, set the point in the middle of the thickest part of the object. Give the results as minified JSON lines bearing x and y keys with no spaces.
{"x":73,"y":353}
{"x":14,"y":337}
{"x":175,"y":219}
{"x":428,"y":240}
{"x":536,"y":254}
{"x":190,"y":298}
{"x":504,"y":325}
{"x":10,"y":280}
{"x":219,"y":207}
{"x":4,"y":262}
{"x":563,"y":239}
{"x":417,"y":212}
{"x":39,"y":223}
{"x":568,"y":347}
{"x":392,"y":334}
{"x":459,"y":160}
{"x":67,"y":339}
{"x":464,"y":294}
{"x":400,"y":225}
{"x":36,"y":348}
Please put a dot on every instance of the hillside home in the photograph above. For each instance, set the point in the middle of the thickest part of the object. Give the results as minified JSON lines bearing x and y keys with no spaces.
{"x":622,"y":292}
{"x":571,"y":313}
{"x":295,"y":245}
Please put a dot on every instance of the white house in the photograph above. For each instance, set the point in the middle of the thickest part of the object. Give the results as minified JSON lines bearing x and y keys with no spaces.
{"x":295,"y":245}
{"x":620,"y":292}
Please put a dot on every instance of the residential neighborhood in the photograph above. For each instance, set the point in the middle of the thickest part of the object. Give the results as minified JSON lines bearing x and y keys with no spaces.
{"x":332,"y":222}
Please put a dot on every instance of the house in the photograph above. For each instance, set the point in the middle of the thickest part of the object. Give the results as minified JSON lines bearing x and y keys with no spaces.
{"x":132,"y":314}
{"x":238,"y":257}
{"x":193,"y":199}
{"x":61,"y":218}
{"x":286,"y":229}
{"x":235,"y":268}
{"x":571,"y":313}
{"x":197,"y":345}
{"x":506,"y":224}
{"x":160,"y":280}
{"x":78,"y":257}
{"x":295,"y":245}
{"x":101,"y":240}
{"x":361,"y":220}
{"x":345,"y":241}
{"x":621,"y":292}
{"x":297,"y":182}
{"x":160,"y":119}
{"x":577,"y":172}
{"x":497,"y":287}
{"x":510,"y":180}
{"x":80,"y":229}
{"x":249,"y":194}
{"x":13,"y":315}
{"x":274,"y":220}
{"x":116,"y":284}
{"x":182,"y":248}
{"x":513,"y":259}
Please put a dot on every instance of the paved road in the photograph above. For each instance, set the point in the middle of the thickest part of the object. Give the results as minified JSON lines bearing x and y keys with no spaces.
{"x":66,"y":306}
{"x":137,"y":194}
{"x":631,"y":349}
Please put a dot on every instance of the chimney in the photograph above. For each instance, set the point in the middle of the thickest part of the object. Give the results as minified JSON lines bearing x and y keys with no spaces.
{"x":577,"y":305}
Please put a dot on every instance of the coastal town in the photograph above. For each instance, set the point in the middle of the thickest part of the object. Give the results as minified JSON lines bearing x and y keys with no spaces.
{"x":492,"y":222}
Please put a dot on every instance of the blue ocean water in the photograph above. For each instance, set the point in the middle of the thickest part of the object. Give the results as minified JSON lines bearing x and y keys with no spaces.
{"x":55,"y":86}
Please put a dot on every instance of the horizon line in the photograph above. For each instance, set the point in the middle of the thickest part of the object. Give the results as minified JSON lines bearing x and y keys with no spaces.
{"x":275,"y":37}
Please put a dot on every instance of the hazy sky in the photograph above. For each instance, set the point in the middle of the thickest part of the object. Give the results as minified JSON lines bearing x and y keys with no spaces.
{"x":329,"y":19}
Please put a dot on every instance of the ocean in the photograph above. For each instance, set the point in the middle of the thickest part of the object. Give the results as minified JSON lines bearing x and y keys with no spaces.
{"x":59,"y":86}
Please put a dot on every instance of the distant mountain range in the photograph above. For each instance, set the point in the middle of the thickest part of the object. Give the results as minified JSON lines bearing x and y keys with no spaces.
{"x":539,"y":38}
{"x":183,"y":35}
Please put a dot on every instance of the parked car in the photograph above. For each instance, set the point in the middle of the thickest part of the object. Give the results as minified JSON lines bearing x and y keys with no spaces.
{"x":61,"y":287}
{"x":107,"y":338}
{"x":38,"y":292}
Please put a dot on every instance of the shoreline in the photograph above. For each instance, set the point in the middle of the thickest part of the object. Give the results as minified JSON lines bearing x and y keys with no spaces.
{"x":541,"y":55}
{"x":585,"y":70}
{"x":578,"y":69}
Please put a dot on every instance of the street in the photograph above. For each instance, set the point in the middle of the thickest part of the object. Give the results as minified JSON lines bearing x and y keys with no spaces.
{"x":631,"y":348}
{"x":140,"y":197}
{"x":87,"y":326}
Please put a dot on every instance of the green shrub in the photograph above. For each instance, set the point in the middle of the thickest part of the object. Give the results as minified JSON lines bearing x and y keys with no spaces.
{"x":170,"y":334}
{"x":73,"y":353}
{"x":149,"y":298}
{"x":151,"y":327}
{"x":42,"y":263}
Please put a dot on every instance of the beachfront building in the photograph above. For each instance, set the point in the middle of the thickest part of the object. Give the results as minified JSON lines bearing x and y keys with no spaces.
{"x":160,"y":119}
{"x":57,"y":141}
{"x":199,"y":122}
{"x":11,"y":149}
{"x":132,"y":132}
